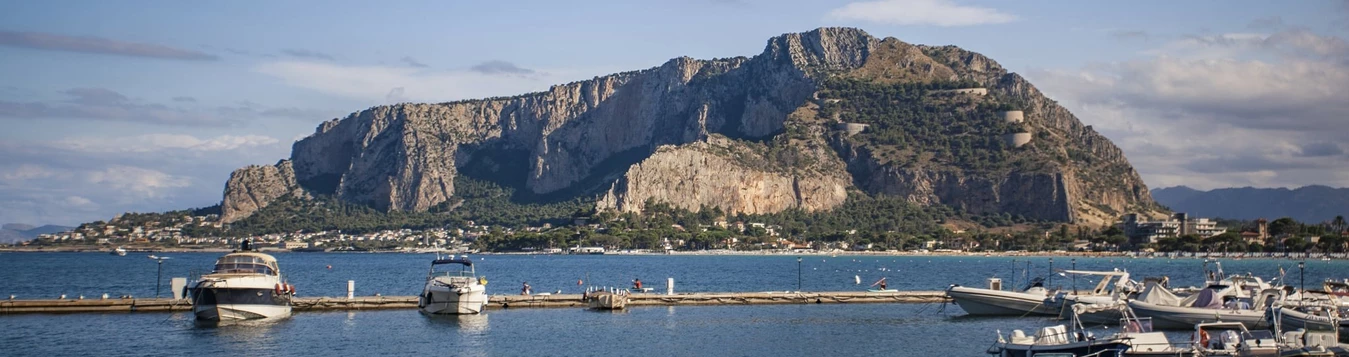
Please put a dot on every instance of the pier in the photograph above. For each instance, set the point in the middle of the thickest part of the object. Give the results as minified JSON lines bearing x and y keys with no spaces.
{"x":303,"y":304}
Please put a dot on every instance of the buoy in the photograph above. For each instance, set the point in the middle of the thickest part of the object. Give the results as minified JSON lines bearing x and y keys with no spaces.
{"x":857,"y":279}
{"x":578,"y":282}
{"x":330,"y":267}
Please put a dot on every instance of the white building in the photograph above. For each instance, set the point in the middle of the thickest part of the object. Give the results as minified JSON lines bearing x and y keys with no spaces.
{"x":1179,"y":224}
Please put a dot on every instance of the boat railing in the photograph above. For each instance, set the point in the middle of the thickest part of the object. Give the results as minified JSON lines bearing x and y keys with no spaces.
{"x":454,"y":274}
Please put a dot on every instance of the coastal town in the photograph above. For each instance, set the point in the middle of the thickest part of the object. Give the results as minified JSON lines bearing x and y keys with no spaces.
{"x":1178,"y":234}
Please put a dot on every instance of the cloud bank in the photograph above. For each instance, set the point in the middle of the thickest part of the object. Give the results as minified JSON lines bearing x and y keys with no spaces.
{"x":98,"y":45}
{"x":919,"y":12}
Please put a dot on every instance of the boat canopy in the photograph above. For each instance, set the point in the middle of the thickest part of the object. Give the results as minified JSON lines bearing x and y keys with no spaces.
{"x":1159,"y":295}
{"x":461,"y":261}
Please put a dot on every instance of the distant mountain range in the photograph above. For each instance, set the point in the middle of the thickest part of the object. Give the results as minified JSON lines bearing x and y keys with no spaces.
{"x":17,"y":232}
{"x":1310,"y":204}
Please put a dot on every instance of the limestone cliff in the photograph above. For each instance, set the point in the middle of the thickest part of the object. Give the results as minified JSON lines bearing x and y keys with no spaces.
{"x":742,"y":134}
{"x":251,"y":188}
{"x":716,"y":174}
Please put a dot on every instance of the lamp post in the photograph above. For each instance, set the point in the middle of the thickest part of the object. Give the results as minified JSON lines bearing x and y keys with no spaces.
{"x":159,"y":273}
{"x":1074,"y":267}
{"x":1302,"y":280}
{"x":797,"y":274}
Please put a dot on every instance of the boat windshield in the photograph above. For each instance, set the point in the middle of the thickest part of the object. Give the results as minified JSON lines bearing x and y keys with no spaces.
{"x":452,"y":267}
{"x":244,"y":264}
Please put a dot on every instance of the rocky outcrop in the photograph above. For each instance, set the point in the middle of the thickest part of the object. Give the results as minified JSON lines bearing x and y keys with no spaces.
{"x":251,"y":188}
{"x":653,"y":135}
{"x":713,"y":174}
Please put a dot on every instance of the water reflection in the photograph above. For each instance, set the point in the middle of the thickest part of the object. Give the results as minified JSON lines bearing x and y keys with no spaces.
{"x":465,"y":323}
{"x":246,"y":337}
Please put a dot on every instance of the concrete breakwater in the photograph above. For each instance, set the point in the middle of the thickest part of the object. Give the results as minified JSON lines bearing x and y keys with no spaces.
{"x":496,"y":301}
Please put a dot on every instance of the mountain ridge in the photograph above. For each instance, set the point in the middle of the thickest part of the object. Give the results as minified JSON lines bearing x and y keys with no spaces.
{"x":748,"y":135}
{"x":1312,"y":203}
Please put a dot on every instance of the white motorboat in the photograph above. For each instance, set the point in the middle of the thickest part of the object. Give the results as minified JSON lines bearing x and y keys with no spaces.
{"x":1112,"y":286}
{"x":1135,"y":338}
{"x":1233,"y":339}
{"x":121,"y":252}
{"x":245,"y":285}
{"x":994,"y":301}
{"x":453,"y":291}
{"x":1215,"y":303}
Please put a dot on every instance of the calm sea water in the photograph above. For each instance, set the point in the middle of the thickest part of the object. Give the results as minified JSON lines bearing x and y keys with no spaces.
{"x":863,"y":329}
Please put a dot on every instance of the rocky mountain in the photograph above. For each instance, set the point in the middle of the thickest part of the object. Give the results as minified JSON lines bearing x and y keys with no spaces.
{"x":813,"y":117}
{"x":1307,"y":204}
{"x":16,"y":232}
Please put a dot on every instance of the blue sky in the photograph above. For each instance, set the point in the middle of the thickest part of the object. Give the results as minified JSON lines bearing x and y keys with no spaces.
{"x":114,"y":106}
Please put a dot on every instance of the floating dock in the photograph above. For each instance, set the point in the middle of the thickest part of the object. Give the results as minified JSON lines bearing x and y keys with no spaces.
{"x":301,"y":304}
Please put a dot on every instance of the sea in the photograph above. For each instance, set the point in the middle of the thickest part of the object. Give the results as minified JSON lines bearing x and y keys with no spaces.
{"x":762,"y":330}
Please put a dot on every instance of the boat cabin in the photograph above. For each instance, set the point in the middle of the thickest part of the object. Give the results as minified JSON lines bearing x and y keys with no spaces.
{"x":444,"y":271}
{"x":246,"y":263}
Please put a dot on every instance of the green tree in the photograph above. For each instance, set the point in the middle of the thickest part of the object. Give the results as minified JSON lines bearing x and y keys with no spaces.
{"x":1283,"y":226}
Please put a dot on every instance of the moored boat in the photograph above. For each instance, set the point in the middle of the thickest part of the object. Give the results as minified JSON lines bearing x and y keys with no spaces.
{"x":994,"y":301}
{"x":451,"y":292}
{"x":244,"y":285}
{"x":121,"y":252}
{"x":1215,"y":303}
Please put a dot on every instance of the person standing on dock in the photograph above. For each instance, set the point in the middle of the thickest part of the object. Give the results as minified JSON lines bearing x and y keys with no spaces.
{"x":524,"y":290}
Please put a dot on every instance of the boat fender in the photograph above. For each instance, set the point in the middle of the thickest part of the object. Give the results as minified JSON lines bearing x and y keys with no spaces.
{"x":279,"y":289}
{"x":1203,"y":337}
{"x":290,"y":289}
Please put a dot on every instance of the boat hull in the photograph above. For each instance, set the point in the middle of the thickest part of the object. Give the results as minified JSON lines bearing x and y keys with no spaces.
{"x":985,"y":302}
{"x":1184,"y":318}
{"x":452,"y":301}
{"x":233,"y":304}
{"x":1092,"y":348}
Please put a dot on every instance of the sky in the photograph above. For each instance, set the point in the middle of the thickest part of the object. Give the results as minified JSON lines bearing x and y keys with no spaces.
{"x":117,"y":106}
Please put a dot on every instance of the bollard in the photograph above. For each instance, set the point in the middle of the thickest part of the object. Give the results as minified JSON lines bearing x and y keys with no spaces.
{"x":105,"y":296}
{"x":63,"y":296}
{"x":351,"y":289}
{"x":669,"y":286}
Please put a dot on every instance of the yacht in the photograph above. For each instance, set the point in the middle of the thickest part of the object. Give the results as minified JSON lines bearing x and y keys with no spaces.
{"x":453,"y":291}
{"x":121,"y":252}
{"x":994,"y":301}
{"x":244,"y":285}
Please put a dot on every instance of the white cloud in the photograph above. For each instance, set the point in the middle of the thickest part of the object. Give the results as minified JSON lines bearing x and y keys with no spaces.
{"x":386,"y":84}
{"x":1221,"y":111}
{"x":158,"y":142}
{"x":25,"y":172}
{"x":145,"y":183}
{"x":920,"y":12}
{"x":80,"y":203}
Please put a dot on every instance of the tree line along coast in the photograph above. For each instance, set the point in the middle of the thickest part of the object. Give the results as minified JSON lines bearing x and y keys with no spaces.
{"x":864,"y":223}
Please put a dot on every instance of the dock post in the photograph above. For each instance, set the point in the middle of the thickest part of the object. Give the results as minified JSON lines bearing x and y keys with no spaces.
{"x":351,"y":289}
{"x":669,"y":286}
